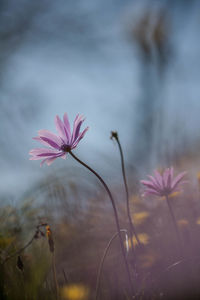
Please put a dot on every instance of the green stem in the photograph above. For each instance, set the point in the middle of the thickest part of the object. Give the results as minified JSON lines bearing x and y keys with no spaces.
{"x":115,"y":214}
{"x":55,"y":275}
{"x":102,"y":261}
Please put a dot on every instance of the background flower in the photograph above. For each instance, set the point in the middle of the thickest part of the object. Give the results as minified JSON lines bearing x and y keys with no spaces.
{"x":163,"y":184}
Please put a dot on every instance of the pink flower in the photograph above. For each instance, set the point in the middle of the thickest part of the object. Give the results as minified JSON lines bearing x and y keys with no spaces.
{"x":163,"y":185}
{"x":59,"y":144}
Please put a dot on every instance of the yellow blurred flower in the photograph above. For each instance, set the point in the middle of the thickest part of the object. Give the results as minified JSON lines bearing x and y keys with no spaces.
{"x":147,"y":260}
{"x":134,"y":199}
{"x":6,"y":241}
{"x":198,"y":176}
{"x":183,"y":222}
{"x":172,"y":195}
{"x":143,"y":237}
{"x":175,"y":194}
{"x":75,"y":292}
{"x":198,"y":221}
{"x":140,"y":217}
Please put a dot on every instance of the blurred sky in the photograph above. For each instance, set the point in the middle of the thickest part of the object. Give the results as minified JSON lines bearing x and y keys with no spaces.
{"x":130,"y":66}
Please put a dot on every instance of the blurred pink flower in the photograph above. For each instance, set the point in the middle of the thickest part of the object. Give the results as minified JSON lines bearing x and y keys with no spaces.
{"x":163,"y":185}
{"x":59,"y":144}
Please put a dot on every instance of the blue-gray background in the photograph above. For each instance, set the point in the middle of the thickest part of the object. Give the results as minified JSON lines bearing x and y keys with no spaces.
{"x":130,"y":66}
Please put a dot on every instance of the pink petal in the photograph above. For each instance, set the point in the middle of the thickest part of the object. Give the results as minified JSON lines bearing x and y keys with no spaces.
{"x":170,"y":177}
{"x":43,"y":153}
{"x":165,"y":177}
{"x":154,"y":182}
{"x":172,"y":172}
{"x":77,"y":131}
{"x":177,"y":179}
{"x":76,"y":127}
{"x":80,"y":137}
{"x":48,"y":154}
{"x":67,"y":126}
{"x":50,"y":136}
{"x":43,"y":157}
{"x":149,"y":184}
{"x":38,"y":151}
{"x":151,"y":192}
{"x":37,"y":138}
{"x":50,"y":142}
{"x":50,"y":160}
{"x":61,"y":129}
{"x":64,"y":156}
{"x":35,"y":158}
{"x":158,"y":178}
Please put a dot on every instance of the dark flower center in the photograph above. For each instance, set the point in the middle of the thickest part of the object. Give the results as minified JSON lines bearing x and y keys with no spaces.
{"x":65,"y":148}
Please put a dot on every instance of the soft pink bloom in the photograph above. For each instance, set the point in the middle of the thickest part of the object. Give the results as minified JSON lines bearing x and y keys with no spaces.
{"x":58,"y":145}
{"x":163,"y":184}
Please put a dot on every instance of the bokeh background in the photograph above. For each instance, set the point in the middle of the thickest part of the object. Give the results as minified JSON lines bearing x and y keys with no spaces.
{"x":131,"y":66}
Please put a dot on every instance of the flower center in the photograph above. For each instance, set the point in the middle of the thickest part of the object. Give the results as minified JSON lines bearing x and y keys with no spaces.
{"x":65,"y":148}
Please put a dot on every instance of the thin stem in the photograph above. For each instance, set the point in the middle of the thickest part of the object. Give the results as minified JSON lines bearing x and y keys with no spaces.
{"x":132,"y":228}
{"x":115,"y":214}
{"x":102,"y":261}
{"x":55,"y":275}
{"x":175,"y":225}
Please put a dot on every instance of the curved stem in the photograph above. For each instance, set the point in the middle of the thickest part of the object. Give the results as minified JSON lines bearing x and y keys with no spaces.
{"x":175,"y":226}
{"x":115,"y":214}
{"x":132,"y":228}
{"x":102,"y":261}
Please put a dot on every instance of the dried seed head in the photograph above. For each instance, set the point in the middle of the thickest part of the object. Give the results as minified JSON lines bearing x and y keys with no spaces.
{"x":114,"y":135}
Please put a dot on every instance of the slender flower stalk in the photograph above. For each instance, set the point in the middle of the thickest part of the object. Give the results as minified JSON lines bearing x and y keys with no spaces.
{"x":55,"y":276}
{"x":102,"y":261}
{"x":115,"y":214}
{"x":114,"y":135}
{"x":164,"y":185}
{"x":174,"y":223}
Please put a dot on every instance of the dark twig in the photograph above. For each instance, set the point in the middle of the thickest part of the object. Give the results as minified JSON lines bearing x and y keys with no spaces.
{"x":18,"y":252}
